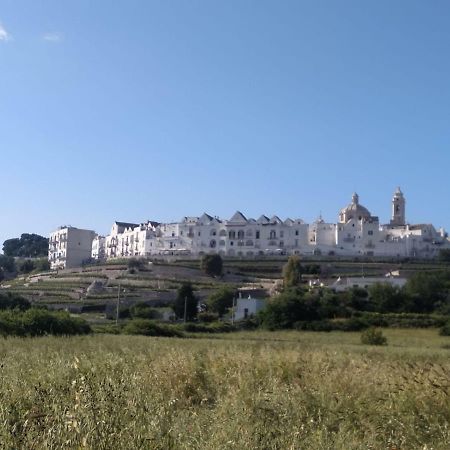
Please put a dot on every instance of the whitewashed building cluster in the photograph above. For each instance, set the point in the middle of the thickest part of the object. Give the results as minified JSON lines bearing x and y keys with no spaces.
{"x":357,"y":233}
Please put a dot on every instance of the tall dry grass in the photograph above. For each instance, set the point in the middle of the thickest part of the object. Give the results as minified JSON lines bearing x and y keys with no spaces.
{"x":253,"y":391}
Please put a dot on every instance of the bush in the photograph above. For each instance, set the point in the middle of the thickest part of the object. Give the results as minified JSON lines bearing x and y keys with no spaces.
{"x":39,"y":322}
{"x":212,"y":265}
{"x":149,"y":328}
{"x":135,"y":264}
{"x":207,"y":317}
{"x":14,"y":301}
{"x":26,"y":266}
{"x":143,"y":311}
{"x":445,"y":330}
{"x":373,"y":336}
{"x":217,"y":327}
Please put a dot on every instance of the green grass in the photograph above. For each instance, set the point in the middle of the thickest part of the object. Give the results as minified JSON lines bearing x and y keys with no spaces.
{"x":256,"y":390}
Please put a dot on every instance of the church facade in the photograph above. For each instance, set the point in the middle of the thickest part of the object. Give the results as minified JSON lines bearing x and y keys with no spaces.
{"x":357,"y":233}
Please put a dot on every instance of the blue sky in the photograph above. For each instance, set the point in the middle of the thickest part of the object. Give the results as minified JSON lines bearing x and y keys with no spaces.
{"x":136,"y":110}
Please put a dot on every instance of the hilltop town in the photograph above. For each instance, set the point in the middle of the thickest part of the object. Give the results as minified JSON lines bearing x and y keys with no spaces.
{"x":356,"y":233}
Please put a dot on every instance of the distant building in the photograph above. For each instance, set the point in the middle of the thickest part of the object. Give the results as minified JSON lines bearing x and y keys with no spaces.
{"x":356,"y":233}
{"x":69,"y":246}
{"x":344,"y":284}
{"x":248,"y":307}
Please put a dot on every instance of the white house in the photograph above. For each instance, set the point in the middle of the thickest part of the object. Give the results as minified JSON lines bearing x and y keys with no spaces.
{"x":248,"y":307}
{"x":344,"y":284}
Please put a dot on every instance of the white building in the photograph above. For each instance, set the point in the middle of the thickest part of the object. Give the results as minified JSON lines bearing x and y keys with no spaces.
{"x":248,"y":307}
{"x":344,"y":284}
{"x":69,"y":246}
{"x":357,"y":233}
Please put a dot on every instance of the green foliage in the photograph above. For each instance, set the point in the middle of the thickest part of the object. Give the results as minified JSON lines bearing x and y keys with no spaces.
{"x":40,"y":322}
{"x":27,"y":246}
{"x":284,"y":390}
{"x":42,"y":264}
{"x":444,"y":255}
{"x":216,"y":327}
{"x":387,"y":298}
{"x":292,"y":272}
{"x":185,"y":298}
{"x":10,"y":300}
{"x":212,"y":265}
{"x":7,"y":263}
{"x":135,"y":263}
{"x":287,"y":308}
{"x":26,"y":266}
{"x":445,"y":330}
{"x":150,"y":328}
{"x":373,"y":336}
{"x":427,"y":291}
{"x":207,"y":317}
{"x":221,"y":300}
{"x":143,"y":311}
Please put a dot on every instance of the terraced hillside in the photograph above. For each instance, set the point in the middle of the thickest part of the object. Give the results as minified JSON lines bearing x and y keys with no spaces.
{"x":94,"y":290}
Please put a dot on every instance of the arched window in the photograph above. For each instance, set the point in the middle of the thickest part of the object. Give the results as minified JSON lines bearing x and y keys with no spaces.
{"x":212,"y":243}
{"x":221,"y":242}
{"x":273,"y":234}
{"x":222,"y":233}
{"x":241,"y":234}
{"x":249,"y":243}
{"x":232,"y":234}
{"x":212,"y":233}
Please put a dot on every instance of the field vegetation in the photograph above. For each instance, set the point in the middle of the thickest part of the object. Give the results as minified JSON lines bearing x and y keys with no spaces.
{"x":256,"y":390}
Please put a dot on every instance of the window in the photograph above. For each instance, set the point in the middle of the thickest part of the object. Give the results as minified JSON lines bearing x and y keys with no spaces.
{"x":199,"y":233}
{"x":273,"y":234}
{"x":370,"y":232}
{"x":241,"y":234}
{"x":257,"y":235}
{"x":232,"y":234}
{"x":296,"y":232}
{"x":281,"y":234}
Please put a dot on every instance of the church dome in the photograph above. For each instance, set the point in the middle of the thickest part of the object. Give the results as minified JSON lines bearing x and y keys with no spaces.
{"x":354,"y":210}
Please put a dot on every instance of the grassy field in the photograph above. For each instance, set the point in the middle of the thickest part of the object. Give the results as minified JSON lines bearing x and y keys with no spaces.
{"x":254,"y":390}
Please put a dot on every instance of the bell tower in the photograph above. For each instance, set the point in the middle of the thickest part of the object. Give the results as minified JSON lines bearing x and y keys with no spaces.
{"x":398,"y":208}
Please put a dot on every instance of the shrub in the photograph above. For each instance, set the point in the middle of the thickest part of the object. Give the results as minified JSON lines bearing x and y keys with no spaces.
{"x":445,"y":330}
{"x":39,"y":322}
{"x":27,"y":266}
{"x":212,"y":265}
{"x":13,"y":301}
{"x":135,"y":264}
{"x":207,"y":317}
{"x":143,"y":311}
{"x":221,"y":300}
{"x":373,"y":336}
{"x":149,"y":328}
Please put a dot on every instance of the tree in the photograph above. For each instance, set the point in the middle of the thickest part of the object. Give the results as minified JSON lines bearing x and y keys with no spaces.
{"x":27,"y":246}
{"x":221,"y":300}
{"x":444,"y":255}
{"x":185,"y":299}
{"x":289,"y":307}
{"x":386,"y":298}
{"x":292,"y":272}
{"x":26,"y":266}
{"x":7,"y":263}
{"x":212,"y":265}
{"x":427,"y":291}
{"x":135,"y":263}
